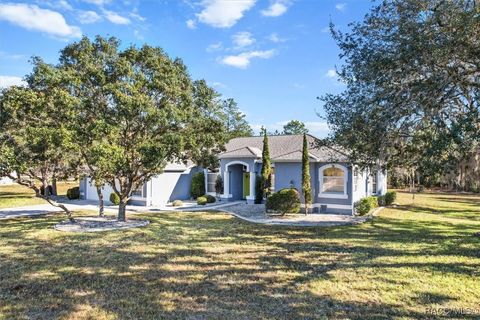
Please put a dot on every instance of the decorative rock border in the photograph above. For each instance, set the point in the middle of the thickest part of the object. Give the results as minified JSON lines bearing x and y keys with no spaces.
{"x":98,"y":224}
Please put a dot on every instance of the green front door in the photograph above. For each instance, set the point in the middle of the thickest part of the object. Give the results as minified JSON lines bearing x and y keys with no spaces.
{"x":246,"y":184}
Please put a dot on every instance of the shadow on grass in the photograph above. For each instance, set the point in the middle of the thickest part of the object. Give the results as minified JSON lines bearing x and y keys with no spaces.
{"x":193,"y":265}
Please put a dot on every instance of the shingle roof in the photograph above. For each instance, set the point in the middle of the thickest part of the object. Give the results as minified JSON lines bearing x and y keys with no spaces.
{"x":282,"y":148}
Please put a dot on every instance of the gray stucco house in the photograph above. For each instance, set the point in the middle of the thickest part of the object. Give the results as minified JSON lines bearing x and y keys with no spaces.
{"x":336,"y":183}
{"x":173,"y":184}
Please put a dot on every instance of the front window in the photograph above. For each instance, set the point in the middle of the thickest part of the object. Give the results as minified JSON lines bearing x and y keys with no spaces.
{"x":355,"y":180}
{"x":138,"y":192}
{"x":333,"y":180}
{"x":374,"y":183}
{"x":211,"y":181}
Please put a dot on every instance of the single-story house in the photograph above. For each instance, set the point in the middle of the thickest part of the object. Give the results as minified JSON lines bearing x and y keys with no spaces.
{"x":173,"y":184}
{"x":336,"y":183}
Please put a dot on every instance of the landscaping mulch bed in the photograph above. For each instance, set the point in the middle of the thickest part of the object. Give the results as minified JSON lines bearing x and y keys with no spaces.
{"x":97,"y":224}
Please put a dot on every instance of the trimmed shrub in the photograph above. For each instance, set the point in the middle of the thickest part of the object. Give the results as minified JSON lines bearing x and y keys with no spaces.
{"x":381,"y":201}
{"x":202,"y":201}
{"x":285,"y":200}
{"x":219,"y":184}
{"x":177,"y":203}
{"x":390,"y":197}
{"x":49,"y":189}
{"x":114,"y":198}
{"x":197,"y":188}
{"x":364,"y":205}
{"x":73,"y":193}
{"x":258,"y":190}
{"x":210,"y":199}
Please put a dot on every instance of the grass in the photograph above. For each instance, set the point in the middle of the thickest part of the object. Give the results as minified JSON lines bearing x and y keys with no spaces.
{"x":407,"y":260}
{"x":18,"y":196}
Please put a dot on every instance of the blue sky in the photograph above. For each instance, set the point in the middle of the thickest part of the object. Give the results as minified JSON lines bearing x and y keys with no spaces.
{"x":274,"y":57}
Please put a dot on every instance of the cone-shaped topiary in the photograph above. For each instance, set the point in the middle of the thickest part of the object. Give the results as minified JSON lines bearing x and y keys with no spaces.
{"x":266,"y":172}
{"x":306,"y":187}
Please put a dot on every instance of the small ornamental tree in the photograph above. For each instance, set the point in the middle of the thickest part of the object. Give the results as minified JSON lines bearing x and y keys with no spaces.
{"x":306,"y":188}
{"x":141,"y":108}
{"x":36,"y":144}
{"x":266,"y":171}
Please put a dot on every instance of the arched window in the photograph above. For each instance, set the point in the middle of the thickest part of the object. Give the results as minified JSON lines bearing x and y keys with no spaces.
{"x":333,"y":181}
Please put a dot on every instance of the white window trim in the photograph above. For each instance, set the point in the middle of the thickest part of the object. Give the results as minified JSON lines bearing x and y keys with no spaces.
{"x":345,"y":182}
{"x":139,"y":197}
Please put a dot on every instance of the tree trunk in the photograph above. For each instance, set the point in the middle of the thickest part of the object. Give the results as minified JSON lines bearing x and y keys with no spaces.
{"x":101,"y":208}
{"x":61,"y":206}
{"x":121,"y":210}
{"x":54,"y":186}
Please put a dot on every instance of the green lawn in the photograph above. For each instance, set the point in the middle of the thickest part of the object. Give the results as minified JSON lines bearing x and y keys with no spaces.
{"x":17,"y":196}
{"x":210,"y":265}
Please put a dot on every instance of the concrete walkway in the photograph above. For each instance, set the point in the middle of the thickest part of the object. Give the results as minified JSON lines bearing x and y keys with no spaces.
{"x":255,"y":214}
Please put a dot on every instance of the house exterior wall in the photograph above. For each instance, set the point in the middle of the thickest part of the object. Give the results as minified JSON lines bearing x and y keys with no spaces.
{"x":232,"y":174}
{"x":5,"y":181}
{"x":236,"y":181}
{"x":170,"y":186}
{"x":161,"y":189}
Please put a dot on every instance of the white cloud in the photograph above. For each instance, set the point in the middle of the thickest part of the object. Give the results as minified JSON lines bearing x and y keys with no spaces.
{"x":64,"y":5}
{"x":331,"y":73}
{"x":276,"y":9}
{"x":340,"y":6}
{"x":242,"y":60}
{"x":86,"y":17}
{"x":138,"y":35}
{"x":7,"y":81}
{"x":223,"y":14}
{"x":218,"y":85}
{"x":5,"y":55}
{"x":97,"y":2}
{"x":115,"y":18}
{"x":191,"y":24}
{"x":243,"y":39}
{"x":275,"y":38}
{"x":215,"y":47}
{"x":137,"y":16}
{"x":31,"y":17}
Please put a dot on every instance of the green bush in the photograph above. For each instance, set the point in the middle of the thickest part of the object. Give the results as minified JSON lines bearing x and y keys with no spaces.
{"x":210,"y":199}
{"x":258,"y":190}
{"x":364,"y":205}
{"x":381,"y":201}
{"x":114,"y":198}
{"x":197,"y":188}
{"x":219,"y":185}
{"x":285,"y":200}
{"x":390,"y":197}
{"x":73,"y":193}
{"x":202,"y":201}
{"x":177,"y":203}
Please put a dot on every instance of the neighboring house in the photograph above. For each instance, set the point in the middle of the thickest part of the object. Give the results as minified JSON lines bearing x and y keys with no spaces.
{"x":173,"y":184}
{"x":5,"y":181}
{"x":336,"y":184}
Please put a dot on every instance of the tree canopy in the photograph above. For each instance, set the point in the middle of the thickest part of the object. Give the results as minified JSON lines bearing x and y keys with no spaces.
{"x":36,"y":143}
{"x":294,"y":127}
{"x":125,"y":113}
{"x":411,"y":70}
